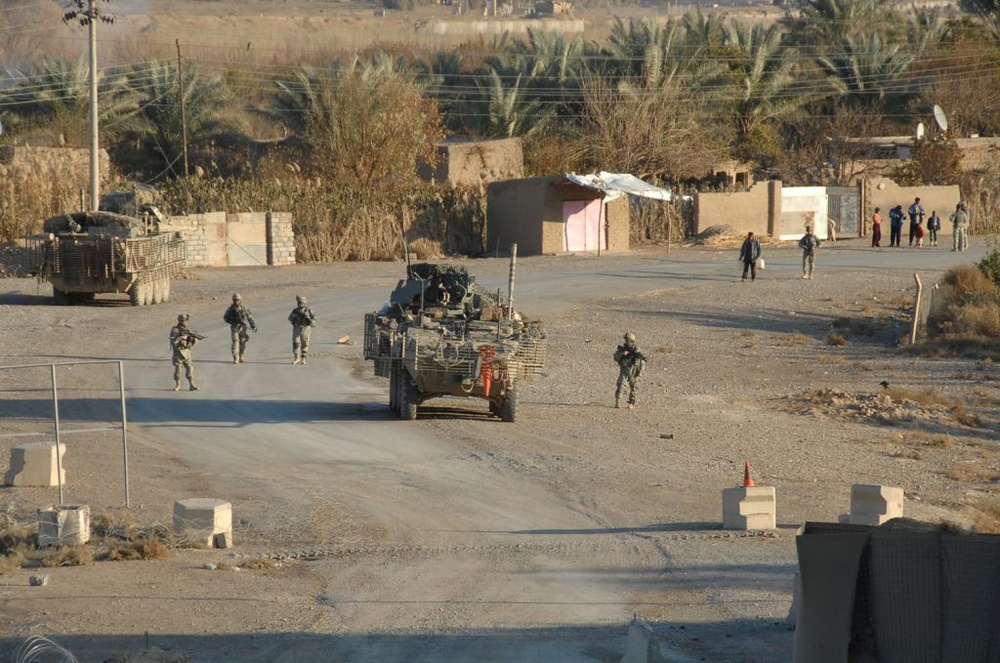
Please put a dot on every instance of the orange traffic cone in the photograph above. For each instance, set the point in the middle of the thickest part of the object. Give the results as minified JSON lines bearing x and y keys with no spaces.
{"x":747,"y":481}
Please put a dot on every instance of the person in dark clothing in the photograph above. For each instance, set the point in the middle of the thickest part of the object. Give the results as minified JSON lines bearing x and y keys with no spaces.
{"x":749,"y":255}
{"x":895,"y":225}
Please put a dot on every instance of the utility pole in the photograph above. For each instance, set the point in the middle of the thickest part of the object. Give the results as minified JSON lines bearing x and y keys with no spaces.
{"x":89,"y":17}
{"x":95,"y":144}
{"x":180,"y":83}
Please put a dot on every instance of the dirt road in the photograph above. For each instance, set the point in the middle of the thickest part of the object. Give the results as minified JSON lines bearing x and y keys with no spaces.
{"x":458,"y":537}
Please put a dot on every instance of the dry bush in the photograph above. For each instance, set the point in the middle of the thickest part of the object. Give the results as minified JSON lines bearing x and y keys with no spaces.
{"x":12,"y":562}
{"x":68,"y":556}
{"x":836,"y":339}
{"x":964,"y":417}
{"x":261,"y":563}
{"x":965,"y":316}
{"x":16,"y":537}
{"x":967,"y":474}
{"x":746,"y":333}
{"x":925,"y":397}
{"x":664,"y":349}
{"x":144,"y":549}
{"x":907,"y":454}
{"x":987,"y":518}
{"x":830,"y":359}
{"x":426,"y":249}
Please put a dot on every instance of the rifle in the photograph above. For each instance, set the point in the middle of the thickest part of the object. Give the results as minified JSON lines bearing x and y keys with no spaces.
{"x":195,"y":335}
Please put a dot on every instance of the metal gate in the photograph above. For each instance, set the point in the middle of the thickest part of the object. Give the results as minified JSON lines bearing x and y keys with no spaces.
{"x":844,"y":207}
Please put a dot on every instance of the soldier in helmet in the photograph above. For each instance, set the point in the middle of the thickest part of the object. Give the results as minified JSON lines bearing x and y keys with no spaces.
{"x":182,"y":340}
{"x":240,"y":319}
{"x":630,"y":362}
{"x":303,"y":320}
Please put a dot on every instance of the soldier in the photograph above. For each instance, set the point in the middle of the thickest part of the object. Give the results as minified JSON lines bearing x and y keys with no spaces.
{"x":630,"y":362}
{"x":240,"y":319}
{"x":809,"y":243}
{"x":303,"y":320}
{"x":182,"y":340}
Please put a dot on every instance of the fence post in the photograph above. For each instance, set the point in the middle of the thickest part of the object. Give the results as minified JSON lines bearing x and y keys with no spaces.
{"x":916,"y":309}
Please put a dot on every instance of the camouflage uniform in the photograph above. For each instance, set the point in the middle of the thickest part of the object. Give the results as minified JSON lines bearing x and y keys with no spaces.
{"x":809,"y":243}
{"x":240,"y":319}
{"x":630,"y":362}
{"x":181,"y":342}
{"x":303,"y":320}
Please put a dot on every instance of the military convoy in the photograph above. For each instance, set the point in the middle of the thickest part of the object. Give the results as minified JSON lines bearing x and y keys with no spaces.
{"x":85,"y":253}
{"x":440,"y":334}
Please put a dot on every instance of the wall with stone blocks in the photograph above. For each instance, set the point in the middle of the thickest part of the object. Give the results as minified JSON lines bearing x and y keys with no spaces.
{"x":218,"y":239}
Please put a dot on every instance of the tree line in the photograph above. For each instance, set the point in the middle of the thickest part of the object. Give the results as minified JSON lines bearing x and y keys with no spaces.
{"x":795,"y":99}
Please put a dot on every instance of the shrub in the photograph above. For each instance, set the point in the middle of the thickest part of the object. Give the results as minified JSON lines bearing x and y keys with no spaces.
{"x":836,"y":339}
{"x":990,"y":264}
{"x":68,"y":556}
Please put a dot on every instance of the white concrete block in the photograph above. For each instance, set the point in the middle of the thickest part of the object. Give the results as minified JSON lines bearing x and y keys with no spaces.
{"x":35,"y":464}
{"x":204,"y":519}
{"x":63,"y":525}
{"x":751,"y":507}
{"x":875,"y":504}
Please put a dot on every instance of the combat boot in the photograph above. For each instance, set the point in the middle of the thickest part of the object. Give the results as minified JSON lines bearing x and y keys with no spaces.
{"x":618,"y":403}
{"x":296,"y":360}
{"x":242,"y":359}
{"x":177,"y":385}
{"x":193,"y":387}
{"x":303,"y":360}
{"x":236,"y":359}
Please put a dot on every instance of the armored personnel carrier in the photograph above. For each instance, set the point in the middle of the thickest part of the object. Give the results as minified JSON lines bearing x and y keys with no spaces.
{"x":85,"y":253}
{"x":440,"y":334}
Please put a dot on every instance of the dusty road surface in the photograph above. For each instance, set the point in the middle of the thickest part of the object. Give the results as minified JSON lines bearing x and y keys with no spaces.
{"x":360,"y":537}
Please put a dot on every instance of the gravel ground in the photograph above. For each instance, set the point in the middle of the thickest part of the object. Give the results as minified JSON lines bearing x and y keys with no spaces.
{"x":606,"y":513}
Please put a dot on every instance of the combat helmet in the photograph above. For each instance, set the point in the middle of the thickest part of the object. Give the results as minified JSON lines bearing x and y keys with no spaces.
{"x":630,"y":337}
{"x":300,"y":299}
{"x":237,"y":297}
{"x":183,"y":317}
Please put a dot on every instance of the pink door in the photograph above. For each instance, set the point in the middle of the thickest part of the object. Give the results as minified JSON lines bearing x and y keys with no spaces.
{"x":584,"y":225}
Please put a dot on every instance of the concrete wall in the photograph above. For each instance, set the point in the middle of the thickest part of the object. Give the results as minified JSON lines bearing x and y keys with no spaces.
{"x":217,"y":239}
{"x":885,"y":193}
{"x":745,"y":211}
{"x":769,"y":209}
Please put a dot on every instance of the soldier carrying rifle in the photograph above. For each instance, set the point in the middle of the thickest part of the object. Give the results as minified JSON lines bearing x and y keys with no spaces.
{"x":240,"y":319}
{"x":630,"y":362}
{"x":182,"y":340}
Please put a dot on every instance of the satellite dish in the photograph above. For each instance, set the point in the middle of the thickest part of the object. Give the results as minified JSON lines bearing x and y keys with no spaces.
{"x":920,"y":130}
{"x":940,"y":118}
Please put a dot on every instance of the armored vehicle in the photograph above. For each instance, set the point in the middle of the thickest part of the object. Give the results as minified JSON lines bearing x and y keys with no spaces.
{"x":440,"y":334}
{"x":85,"y":253}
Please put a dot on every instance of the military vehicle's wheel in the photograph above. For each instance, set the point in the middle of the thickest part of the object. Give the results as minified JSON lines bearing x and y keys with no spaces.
{"x":407,"y":397}
{"x":394,"y":390}
{"x":135,"y":294}
{"x":60,"y":298}
{"x":508,"y":409}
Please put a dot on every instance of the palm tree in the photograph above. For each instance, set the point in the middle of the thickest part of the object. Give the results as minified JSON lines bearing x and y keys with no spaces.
{"x":161,"y":135}
{"x":764,"y":78}
{"x":55,"y":94}
{"x":296,"y":96}
{"x":867,"y":71}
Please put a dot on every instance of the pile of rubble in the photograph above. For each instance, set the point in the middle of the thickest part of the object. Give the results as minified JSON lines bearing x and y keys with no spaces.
{"x":883,"y":408}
